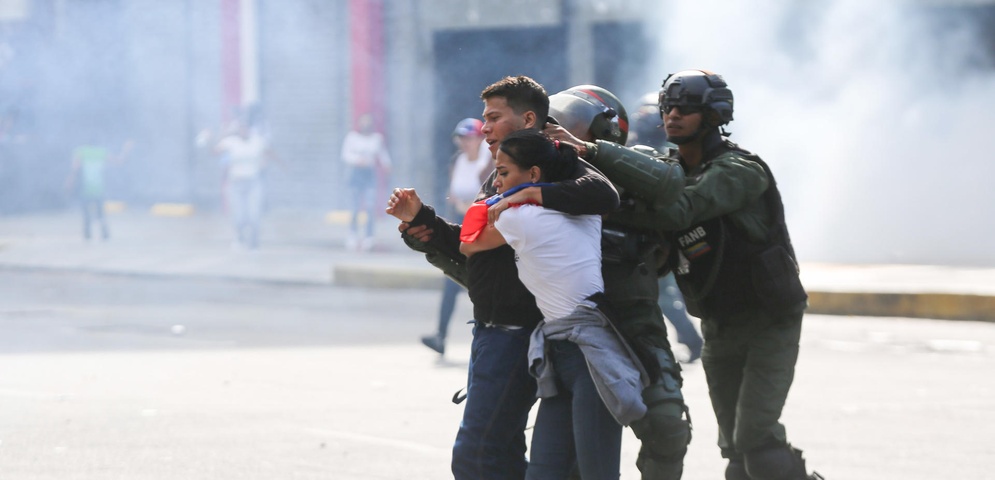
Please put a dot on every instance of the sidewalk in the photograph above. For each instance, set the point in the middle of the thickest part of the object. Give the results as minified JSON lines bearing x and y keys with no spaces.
{"x":308,"y":247}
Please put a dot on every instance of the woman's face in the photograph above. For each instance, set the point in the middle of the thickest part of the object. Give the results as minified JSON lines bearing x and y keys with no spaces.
{"x":510,"y":175}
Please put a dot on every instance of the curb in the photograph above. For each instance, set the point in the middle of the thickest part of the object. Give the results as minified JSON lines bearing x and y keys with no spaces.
{"x":946,"y":306}
{"x":172,"y":210}
{"x":368,"y":276}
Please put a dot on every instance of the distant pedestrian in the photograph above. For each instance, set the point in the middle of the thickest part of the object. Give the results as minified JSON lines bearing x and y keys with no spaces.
{"x":672,"y":305}
{"x":246,"y":153}
{"x":364,"y":151}
{"x":470,"y":167}
{"x":88,"y":179}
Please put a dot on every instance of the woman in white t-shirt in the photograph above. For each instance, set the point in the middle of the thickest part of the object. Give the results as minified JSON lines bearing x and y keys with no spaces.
{"x":596,"y":386}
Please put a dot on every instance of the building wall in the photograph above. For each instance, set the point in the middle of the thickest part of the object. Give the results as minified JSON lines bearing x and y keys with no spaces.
{"x":161,"y":81}
{"x":442,"y":53}
{"x":151,"y":71}
{"x":304,"y":73}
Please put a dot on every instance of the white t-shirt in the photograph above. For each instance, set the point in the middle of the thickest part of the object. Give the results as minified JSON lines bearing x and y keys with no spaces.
{"x":245,"y":155}
{"x":365,"y":150}
{"x":466,"y":180}
{"x":558,"y":255}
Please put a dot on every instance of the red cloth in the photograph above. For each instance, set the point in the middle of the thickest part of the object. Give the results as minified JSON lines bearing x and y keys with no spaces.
{"x":474,"y":221}
{"x":475,"y":218}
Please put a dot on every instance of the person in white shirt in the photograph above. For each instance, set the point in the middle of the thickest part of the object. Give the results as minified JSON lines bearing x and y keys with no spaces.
{"x":470,"y":167}
{"x":364,"y":151}
{"x":597,"y":383}
{"x":246,"y":153}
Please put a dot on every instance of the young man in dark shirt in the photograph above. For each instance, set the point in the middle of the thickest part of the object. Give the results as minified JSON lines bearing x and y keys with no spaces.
{"x":490,"y":443}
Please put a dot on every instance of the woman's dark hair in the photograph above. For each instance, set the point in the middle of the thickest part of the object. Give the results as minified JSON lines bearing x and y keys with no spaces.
{"x":531,"y":148}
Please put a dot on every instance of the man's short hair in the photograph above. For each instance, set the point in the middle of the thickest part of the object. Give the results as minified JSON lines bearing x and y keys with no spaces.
{"x":523,"y":94}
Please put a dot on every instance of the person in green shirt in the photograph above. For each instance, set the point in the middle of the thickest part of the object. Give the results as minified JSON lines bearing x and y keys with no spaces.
{"x":88,"y":178}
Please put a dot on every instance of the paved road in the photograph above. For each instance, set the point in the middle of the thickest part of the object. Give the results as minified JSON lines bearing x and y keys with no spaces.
{"x":299,"y":382}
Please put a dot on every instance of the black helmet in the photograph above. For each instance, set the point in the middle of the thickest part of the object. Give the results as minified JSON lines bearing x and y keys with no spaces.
{"x":697,"y":88}
{"x":589,"y":113}
{"x":644,"y":125}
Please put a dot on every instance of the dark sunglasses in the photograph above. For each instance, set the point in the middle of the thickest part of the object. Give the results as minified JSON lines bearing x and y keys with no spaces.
{"x":685,"y":109}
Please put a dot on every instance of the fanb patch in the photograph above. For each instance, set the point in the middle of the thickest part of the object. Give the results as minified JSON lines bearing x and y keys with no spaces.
{"x":697,"y":250}
{"x":694,"y":242}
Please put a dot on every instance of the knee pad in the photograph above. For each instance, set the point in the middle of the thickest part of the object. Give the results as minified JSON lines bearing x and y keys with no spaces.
{"x":655,"y":468}
{"x":662,"y":434}
{"x":736,"y":470}
{"x":665,"y":430}
{"x":781,"y":462}
{"x":667,"y":387}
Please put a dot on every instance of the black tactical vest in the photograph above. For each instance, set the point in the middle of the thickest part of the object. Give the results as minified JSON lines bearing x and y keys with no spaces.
{"x":721,"y":271}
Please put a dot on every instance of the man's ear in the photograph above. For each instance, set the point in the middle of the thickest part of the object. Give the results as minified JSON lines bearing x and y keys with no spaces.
{"x":530,"y":119}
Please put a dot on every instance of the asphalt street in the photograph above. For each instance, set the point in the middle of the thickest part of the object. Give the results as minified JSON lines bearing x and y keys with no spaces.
{"x":268,"y":381}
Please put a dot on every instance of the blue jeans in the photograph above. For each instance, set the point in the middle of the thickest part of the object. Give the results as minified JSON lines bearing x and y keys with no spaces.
{"x":245,"y":199}
{"x":93,"y":209}
{"x":450,"y":290}
{"x":672,"y":304}
{"x":363,"y":185}
{"x":574,"y":425}
{"x":499,"y":394}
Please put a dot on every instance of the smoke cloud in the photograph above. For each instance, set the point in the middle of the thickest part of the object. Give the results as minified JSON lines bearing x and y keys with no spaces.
{"x":873,"y":116}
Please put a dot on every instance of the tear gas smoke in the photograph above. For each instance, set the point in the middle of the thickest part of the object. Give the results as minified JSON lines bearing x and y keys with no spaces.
{"x":871,"y":114}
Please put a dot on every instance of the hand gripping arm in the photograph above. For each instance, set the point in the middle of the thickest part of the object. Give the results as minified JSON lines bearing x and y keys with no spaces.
{"x":657,"y":181}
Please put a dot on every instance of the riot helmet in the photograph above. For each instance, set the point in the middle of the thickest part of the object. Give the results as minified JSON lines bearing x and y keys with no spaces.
{"x":590,"y":113}
{"x":645,"y":126}
{"x":698,"y":89}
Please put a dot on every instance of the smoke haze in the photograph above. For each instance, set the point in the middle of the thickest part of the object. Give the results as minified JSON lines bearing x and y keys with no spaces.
{"x":872,"y":116}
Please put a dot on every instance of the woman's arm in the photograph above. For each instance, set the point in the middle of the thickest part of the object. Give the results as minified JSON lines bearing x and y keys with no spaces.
{"x":489,"y":239}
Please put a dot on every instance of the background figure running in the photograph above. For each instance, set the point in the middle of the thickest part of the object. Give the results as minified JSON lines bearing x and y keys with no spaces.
{"x":470,"y":167}
{"x":364,"y":151}
{"x":247,"y":153}
{"x":89,"y":178}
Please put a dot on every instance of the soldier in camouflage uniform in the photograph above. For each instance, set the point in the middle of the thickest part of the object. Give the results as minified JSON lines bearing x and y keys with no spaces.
{"x":735,"y":264}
